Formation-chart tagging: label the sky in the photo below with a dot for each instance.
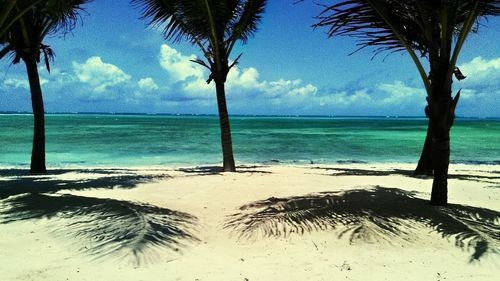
(113, 62)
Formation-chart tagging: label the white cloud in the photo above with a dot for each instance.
(147, 84)
(247, 92)
(99, 75)
(399, 93)
(241, 83)
(480, 65)
(15, 83)
(198, 88)
(21, 83)
(481, 72)
(178, 66)
(94, 85)
(247, 78)
(347, 100)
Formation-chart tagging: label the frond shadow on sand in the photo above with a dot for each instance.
(493, 178)
(369, 215)
(217, 170)
(108, 228)
(14, 182)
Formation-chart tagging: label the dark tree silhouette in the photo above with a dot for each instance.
(24, 40)
(215, 26)
(12, 10)
(426, 29)
(370, 214)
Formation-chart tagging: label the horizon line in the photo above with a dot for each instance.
(236, 115)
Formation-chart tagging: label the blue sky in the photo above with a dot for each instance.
(113, 63)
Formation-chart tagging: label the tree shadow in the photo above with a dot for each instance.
(366, 172)
(494, 179)
(370, 215)
(202, 171)
(217, 170)
(19, 181)
(108, 227)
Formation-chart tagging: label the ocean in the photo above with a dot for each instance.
(76, 140)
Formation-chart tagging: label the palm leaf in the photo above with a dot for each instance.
(48, 55)
(249, 17)
(39, 19)
(181, 19)
(411, 18)
(8, 16)
(370, 214)
(213, 25)
(5, 50)
(109, 228)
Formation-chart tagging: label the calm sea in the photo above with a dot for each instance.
(122, 140)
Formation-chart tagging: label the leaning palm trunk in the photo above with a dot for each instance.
(424, 166)
(38, 151)
(225, 128)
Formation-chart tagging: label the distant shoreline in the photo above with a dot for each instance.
(241, 115)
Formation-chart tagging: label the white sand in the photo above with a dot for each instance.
(52, 247)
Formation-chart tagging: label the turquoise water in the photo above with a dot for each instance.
(119, 141)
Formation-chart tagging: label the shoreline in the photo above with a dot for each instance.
(270, 163)
(291, 222)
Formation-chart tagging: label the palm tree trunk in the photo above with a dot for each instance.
(38, 150)
(440, 151)
(227, 144)
(441, 115)
(424, 166)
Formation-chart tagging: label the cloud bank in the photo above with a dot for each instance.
(99, 85)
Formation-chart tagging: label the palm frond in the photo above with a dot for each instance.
(413, 19)
(180, 19)
(109, 228)
(249, 16)
(214, 25)
(40, 18)
(369, 214)
(202, 63)
(5, 50)
(62, 16)
(6, 8)
(360, 19)
(48, 55)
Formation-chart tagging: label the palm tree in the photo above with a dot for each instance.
(215, 26)
(24, 41)
(7, 14)
(426, 29)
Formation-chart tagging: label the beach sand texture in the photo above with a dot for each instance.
(331, 222)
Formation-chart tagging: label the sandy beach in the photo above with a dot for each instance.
(334, 222)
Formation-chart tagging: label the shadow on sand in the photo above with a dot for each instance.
(107, 227)
(16, 181)
(493, 179)
(216, 170)
(370, 215)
